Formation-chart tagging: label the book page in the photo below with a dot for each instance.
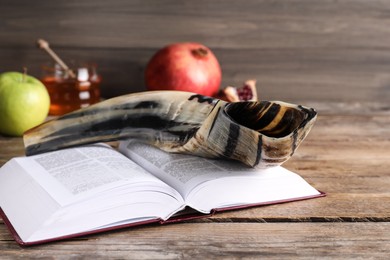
(18, 192)
(80, 189)
(208, 184)
(78, 173)
(183, 172)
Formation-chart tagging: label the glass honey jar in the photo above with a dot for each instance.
(71, 90)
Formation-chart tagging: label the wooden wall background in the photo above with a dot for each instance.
(298, 50)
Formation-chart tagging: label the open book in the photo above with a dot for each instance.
(95, 188)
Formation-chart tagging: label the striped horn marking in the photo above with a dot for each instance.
(259, 134)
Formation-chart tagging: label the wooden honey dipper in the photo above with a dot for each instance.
(42, 44)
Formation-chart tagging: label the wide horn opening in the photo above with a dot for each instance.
(269, 118)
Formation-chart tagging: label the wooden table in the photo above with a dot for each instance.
(346, 155)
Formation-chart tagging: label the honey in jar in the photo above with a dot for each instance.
(69, 93)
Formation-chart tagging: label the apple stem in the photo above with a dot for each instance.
(24, 74)
(200, 52)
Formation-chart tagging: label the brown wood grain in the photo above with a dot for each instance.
(332, 55)
(227, 24)
(220, 240)
(297, 50)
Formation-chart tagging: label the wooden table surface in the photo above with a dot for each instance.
(346, 155)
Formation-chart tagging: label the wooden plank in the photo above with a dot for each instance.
(336, 207)
(220, 240)
(227, 24)
(10, 147)
(293, 75)
(297, 50)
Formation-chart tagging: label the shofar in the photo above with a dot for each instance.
(259, 134)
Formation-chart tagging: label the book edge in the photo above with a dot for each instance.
(172, 220)
(274, 202)
(21, 242)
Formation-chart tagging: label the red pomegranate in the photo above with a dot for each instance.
(184, 66)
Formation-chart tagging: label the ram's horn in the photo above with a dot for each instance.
(259, 134)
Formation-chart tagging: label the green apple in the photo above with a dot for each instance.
(24, 103)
